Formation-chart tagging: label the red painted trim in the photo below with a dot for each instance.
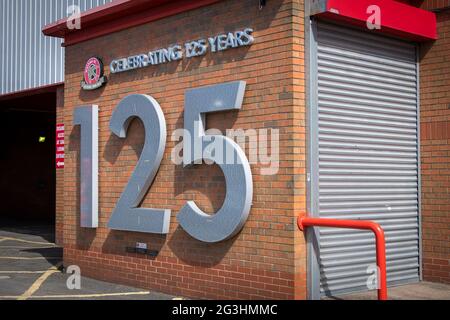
(119, 15)
(397, 18)
(31, 92)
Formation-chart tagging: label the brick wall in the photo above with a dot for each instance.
(267, 259)
(427, 4)
(435, 152)
(299, 149)
(432, 4)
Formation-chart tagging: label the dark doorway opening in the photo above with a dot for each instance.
(27, 158)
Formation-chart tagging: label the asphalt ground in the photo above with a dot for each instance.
(31, 268)
(417, 291)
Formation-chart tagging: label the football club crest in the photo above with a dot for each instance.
(93, 74)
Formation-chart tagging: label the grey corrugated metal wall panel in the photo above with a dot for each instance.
(367, 154)
(28, 58)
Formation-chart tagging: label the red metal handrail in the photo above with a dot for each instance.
(304, 222)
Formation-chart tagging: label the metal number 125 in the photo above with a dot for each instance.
(127, 215)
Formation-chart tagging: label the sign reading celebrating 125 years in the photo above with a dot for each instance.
(93, 71)
(189, 50)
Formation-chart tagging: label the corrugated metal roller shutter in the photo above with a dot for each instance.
(368, 154)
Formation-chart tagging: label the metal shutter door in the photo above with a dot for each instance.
(367, 136)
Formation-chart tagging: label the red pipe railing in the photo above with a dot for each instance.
(304, 222)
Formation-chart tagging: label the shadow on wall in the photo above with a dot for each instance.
(117, 242)
(425, 47)
(84, 236)
(197, 253)
(91, 95)
(115, 146)
(203, 184)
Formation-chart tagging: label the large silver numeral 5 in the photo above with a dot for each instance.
(127, 216)
(230, 219)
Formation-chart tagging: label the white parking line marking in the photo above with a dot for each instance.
(4, 277)
(21, 272)
(38, 283)
(24, 248)
(26, 241)
(99, 295)
(30, 258)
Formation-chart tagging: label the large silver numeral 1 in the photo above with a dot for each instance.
(87, 118)
(230, 219)
(126, 216)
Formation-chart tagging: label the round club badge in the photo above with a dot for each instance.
(93, 74)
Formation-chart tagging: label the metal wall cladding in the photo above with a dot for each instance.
(28, 58)
(367, 148)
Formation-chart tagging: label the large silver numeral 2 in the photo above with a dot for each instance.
(127, 216)
(230, 219)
